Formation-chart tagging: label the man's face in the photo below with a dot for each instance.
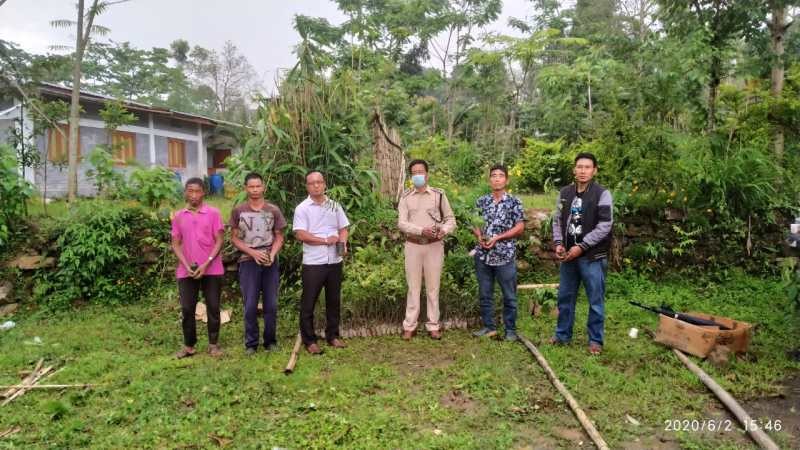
(419, 169)
(193, 194)
(315, 184)
(498, 180)
(254, 188)
(584, 170)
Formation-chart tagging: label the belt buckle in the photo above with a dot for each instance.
(423, 240)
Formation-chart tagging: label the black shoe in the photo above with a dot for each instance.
(250, 351)
(271, 347)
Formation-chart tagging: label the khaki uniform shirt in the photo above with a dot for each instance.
(418, 210)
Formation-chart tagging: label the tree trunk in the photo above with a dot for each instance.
(713, 88)
(777, 27)
(74, 110)
(589, 93)
(83, 32)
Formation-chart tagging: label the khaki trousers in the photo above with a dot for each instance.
(423, 261)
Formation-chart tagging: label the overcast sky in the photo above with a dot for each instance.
(262, 29)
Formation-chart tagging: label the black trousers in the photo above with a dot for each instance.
(189, 290)
(315, 277)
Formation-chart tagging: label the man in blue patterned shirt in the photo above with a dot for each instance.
(495, 255)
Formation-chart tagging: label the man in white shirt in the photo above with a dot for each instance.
(321, 225)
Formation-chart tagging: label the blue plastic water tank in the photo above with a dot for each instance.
(216, 183)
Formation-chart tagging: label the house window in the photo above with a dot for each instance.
(176, 149)
(58, 144)
(124, 145)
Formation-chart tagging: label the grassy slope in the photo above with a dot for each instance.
(381, 392)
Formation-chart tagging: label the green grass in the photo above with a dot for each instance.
(539, 201)
(381, 392)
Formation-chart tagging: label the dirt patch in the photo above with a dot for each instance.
(573, 435)
(459, 401)
(784, 407)
(651, 443)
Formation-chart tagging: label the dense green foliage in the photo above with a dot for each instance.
(14, 193)
(100, 247)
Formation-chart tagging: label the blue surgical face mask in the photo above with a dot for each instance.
(418, 180)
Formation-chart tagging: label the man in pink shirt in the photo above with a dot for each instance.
(197, 232)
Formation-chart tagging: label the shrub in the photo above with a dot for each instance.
(542, 165)
(14, 193)
(154, 186)
(99, 246)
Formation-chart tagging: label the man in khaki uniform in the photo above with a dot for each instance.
(425, 216)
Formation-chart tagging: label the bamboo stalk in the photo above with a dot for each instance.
(22, 391)
(9, 432)
(538, 286)
(25, 381)
(49, 386)
(733, 406)
(582, 417)
(293, 359)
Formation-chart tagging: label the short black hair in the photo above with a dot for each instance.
(196, 181)
(414, 162)
(586, 155)
(314, 171)
(253, 176)
(500, 167)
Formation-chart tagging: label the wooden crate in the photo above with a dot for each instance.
(701, 340)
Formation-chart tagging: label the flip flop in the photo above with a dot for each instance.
(183, 353)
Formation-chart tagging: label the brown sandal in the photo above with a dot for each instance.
(214, 351)
(184, 353)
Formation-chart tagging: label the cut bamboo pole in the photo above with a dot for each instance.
(293, 359)
(9, 432)
(586, 423)
(38, 376)
(733, 406)
(538, 286)
(49, 386)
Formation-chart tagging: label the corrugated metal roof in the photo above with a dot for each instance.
(63, 91)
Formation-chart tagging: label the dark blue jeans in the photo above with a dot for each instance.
(259, 281)
(593, 276)
(506, 276)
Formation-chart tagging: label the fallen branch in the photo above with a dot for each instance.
(733, 406)
(582, 417)
(293, 359)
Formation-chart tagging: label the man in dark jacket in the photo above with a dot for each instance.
(582, 237)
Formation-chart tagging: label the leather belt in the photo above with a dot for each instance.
(420, 240)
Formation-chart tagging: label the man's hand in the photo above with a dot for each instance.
(331, 240)
(189, 270)
(560, 251)
(261, 258)
(201, 270)
(573, 253)
(490, 243)
(271, 255)
(428, 233)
